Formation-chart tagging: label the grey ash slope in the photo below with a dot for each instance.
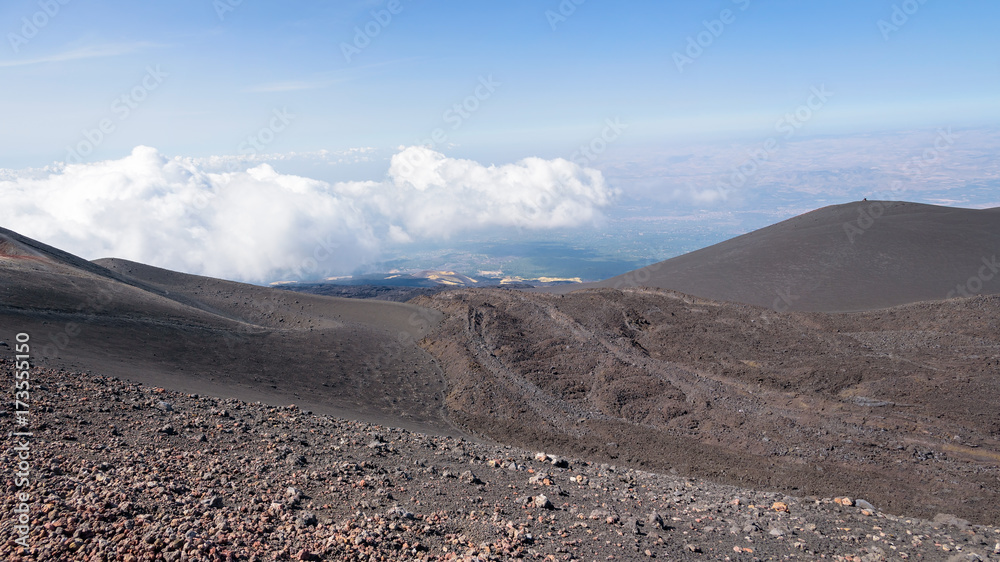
(273, 307)
(839, 258)
(341, 356)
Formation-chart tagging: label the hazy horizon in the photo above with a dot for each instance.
(263, 142)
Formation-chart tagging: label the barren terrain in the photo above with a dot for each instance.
(850, 257)
(901, 406)
(343, 356)
(126, 472)
(655, 392)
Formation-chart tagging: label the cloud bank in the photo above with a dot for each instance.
(259, 225)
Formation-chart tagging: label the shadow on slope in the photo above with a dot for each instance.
(857, 256)
(347, 357)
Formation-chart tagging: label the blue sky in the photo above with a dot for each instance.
(607, 59)
(196, 79)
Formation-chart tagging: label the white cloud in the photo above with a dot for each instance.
(259, 225)
(705, 196)
(432, 196)
(231, 162)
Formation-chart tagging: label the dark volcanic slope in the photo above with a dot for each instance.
(342, 356)
(900, 406)
(856, 256)
(375, 292)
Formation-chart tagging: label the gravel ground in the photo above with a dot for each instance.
(123, 471)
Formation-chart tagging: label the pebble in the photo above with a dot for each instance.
(220, 493)
(864, 505)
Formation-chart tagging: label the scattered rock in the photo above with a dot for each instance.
(469, 477)
(399, 513)
(212, 501)
(542, 502)
(948, 519)
(864, 505)
(133, 494)
(655, 521)
(305, 519)
(598, 514)
(540, 478)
